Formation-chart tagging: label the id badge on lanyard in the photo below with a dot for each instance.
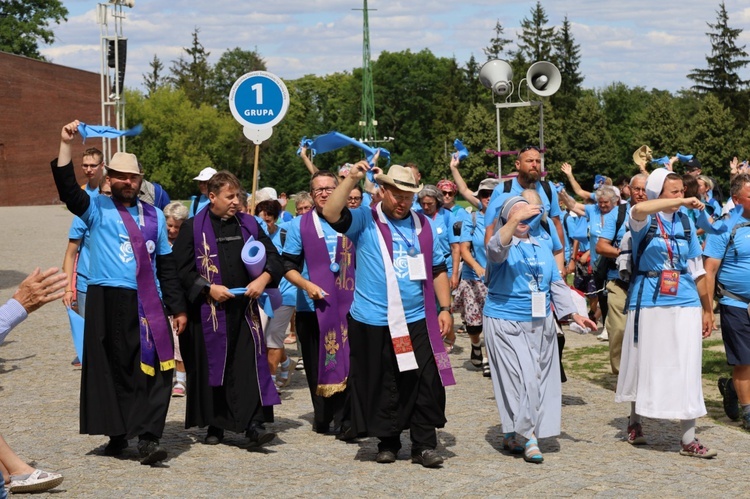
(669, 280)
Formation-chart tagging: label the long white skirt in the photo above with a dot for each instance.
(525, 375)
(662, 372)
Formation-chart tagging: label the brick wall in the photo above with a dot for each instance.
(36, 100)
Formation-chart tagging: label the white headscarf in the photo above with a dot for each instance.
(655, 182)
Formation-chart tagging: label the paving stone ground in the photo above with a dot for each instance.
(39, 418)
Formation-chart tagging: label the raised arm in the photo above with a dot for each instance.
(308, 163)
(641, 210)
(337, 200)
(580, 192)
(463, 189)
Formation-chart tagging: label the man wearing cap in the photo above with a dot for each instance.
(320, 262)
(197, 203)
(128, 356)
(229, 382)
(399, 365)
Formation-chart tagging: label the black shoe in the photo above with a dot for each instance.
(486, 372)
(76, 362)
(730, 400)
(151, 451)
(476, 355)
(214, 436)
(116, 445)
(427, 458)
(321, 428)
(385, 457)
(258, 436)
(345, 433)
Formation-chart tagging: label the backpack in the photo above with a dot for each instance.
(545, 187)
(636, 257)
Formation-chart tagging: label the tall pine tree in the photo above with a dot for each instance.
(194, 74)
(153, 80)
(721, 78)
(567, 57)
(535, 42)
(497, 44)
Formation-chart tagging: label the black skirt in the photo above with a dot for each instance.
(385, 401)
(117, 397)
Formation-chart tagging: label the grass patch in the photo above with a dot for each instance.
(592, 364)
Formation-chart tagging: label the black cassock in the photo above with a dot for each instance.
(235, 404)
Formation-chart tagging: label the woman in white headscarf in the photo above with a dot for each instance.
(522, 281)
(668, 311)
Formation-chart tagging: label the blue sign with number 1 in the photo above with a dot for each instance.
(259, 99)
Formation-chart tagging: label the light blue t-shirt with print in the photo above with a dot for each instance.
(111, 259)
(202, 201)
(528, 266)
(472, 231)
(655, 257)
(370, 304)
(733, 272)
(79, 231)
(287, 289)
(293, 246)
(443, 224)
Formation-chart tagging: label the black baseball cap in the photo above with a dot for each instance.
(692, 164)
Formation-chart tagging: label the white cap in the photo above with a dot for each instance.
(265, 194)
(205, 174)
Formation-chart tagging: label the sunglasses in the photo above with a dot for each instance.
(529, 148)
(448, 193)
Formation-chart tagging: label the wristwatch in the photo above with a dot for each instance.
(445, 309)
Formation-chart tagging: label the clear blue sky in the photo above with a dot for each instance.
(646, 43)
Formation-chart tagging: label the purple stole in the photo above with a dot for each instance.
(430, 309)
(333, 354)
(156, 335)
(213, 315)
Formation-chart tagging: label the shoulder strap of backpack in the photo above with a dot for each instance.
(547, 190)
(731, 239)
(507, 185)
(622, 211)
(282, 236)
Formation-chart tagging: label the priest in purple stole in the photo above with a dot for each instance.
(229, 385)
(320, 262)
(399, 365)
(128, 354)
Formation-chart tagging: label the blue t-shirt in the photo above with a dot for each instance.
(286, 288)
(608, 233)
(370, 304)
(202, 201)
(655, 257)
(551, 206)
(528, 266)
(550, 239)
(443, 224)
(293, 246)
(111, 259)
(732, 273)
(597, 222)
(79, 231)
(473, 231)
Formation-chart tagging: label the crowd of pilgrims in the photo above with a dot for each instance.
(370, 272)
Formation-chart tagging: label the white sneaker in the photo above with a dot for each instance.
(603, 336)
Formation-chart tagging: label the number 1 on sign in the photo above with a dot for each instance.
(258, 88)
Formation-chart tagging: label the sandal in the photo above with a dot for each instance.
(178, 390)
(697, 449)
(290, 340)
(38, 481)
(531, 452)
(511, 443)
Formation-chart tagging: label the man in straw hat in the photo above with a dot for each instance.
(128, 354)
(399, 365)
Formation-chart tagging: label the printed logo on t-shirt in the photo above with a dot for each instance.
(126, 250)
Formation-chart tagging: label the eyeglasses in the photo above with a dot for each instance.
(352, 199)
(90, 166)
(321, 190)
(448, 193)
(484, 194)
